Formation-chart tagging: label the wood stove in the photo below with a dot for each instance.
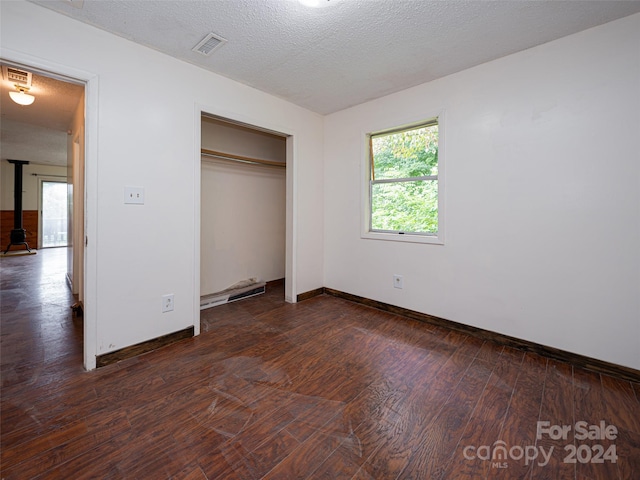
(18, 234)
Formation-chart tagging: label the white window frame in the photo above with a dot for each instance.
(366, 231)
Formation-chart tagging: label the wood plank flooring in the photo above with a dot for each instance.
(323, 389)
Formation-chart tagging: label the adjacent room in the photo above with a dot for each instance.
(320, 239)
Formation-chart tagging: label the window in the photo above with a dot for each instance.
(403, 198)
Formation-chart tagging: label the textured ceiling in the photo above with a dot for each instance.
(322, 59)
(33, 143)
(38, 133)
(331, 58)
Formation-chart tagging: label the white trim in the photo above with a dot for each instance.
(90, 80)
(197, 174)
(403, 237)
(442, 166)
(291, 194)
(290, 287)
(91, 168)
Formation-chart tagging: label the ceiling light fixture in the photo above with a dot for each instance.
(21, 97)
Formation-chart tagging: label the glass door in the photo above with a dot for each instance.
(54, 214)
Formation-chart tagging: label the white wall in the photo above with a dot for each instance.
(243, 208)
(29, 182)
(542, 197)
(148, 135)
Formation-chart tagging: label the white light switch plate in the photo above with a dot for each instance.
(167, 303)
(134, 195)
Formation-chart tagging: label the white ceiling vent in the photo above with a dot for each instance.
(16, 76)
(208, 44)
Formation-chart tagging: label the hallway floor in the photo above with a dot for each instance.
(40, 337)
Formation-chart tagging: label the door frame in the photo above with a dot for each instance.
(291, 196)
(90, 81)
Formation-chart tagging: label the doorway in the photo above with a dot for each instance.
(285, 159)
(53, 214)
(248, 166)
(50, 135)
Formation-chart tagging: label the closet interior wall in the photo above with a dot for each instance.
(243, 223)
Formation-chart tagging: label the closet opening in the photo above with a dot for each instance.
(243, 212)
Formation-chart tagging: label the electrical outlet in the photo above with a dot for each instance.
(397, 281)
(167, 303)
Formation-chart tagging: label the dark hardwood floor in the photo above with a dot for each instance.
(324, 389)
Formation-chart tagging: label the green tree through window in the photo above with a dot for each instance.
(404, 180)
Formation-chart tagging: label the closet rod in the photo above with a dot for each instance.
(240, 158)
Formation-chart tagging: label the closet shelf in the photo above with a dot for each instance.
(240, 158)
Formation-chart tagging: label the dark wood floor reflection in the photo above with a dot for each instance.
(322, 389)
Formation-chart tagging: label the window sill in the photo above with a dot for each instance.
(403, 237)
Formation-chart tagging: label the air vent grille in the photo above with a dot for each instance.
(16, 76)
(209, 44)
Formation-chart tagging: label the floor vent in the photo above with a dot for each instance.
(232, 294)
